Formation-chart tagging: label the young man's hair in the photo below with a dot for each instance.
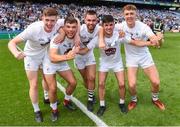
(90, 12)
(107, 19)
(70, 20)
(129, 7)
(50, 12)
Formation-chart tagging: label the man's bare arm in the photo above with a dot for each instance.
(83, 51)
(55, 57)
(12, 45)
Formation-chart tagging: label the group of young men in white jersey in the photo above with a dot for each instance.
(37, 52)
(138, 55)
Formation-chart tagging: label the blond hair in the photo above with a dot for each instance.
(50, 12)
(129, 7)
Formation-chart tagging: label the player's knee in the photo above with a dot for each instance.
(101, 85)
(73, 83)
(91, 78)
(122, 85)
(155, 83)
(132, 85)
(33, 86)
(53, 89)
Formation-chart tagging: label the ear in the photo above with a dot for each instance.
(84, 20)
(42, 17)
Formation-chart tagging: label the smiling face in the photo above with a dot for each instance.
(108, 25)
(130, 14)
(90, 20)
(130, 17)
(49, 18)
(70, 29)
(49, 22)
(108, 28)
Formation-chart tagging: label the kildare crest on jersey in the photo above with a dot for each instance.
(86, 41)
(68, 47)
(110, 51)
(136, 35)
(44, 42)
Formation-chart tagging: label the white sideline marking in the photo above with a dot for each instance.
(91, 115)
(9, 36)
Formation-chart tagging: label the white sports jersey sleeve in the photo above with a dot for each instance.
(60, 22)
(93, 43)
(118, 27)
(37, 39)
(34, 29)
(52, 44)
(28, 33)
(139, 32)
(148, 31)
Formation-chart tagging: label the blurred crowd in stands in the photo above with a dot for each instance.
(16, 17)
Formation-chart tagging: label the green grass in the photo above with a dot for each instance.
(16, 109)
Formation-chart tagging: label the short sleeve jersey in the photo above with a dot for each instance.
(64, 47)
(37, 39)
(141, 32)
(112, 54)
(86, 37)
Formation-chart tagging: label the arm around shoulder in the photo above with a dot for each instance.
(141, 43)
(83, 51)
(101, 42)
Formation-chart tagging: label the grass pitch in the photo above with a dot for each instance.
(16, 109)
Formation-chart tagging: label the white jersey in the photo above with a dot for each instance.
(37, 39)
(112, 54)
(63, 48)
(86, 37)
(141, 32)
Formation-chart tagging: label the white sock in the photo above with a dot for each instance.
(134, 98)
(67, 97)
(53, 105)
(102, 103)
(121, 101)
(155, 96)
(46, 95)
(36, 107)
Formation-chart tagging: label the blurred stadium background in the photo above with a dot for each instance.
(16, 15)
(16, 109)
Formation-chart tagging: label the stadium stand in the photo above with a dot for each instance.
(18, 15)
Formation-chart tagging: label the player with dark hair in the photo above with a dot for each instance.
(59, 54)
(86, 63)
(138, 55)
(110, 59)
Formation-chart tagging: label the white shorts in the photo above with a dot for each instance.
(81, 61)
(143, 61)
(32, 64)
(51, 68)
(116, 67)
